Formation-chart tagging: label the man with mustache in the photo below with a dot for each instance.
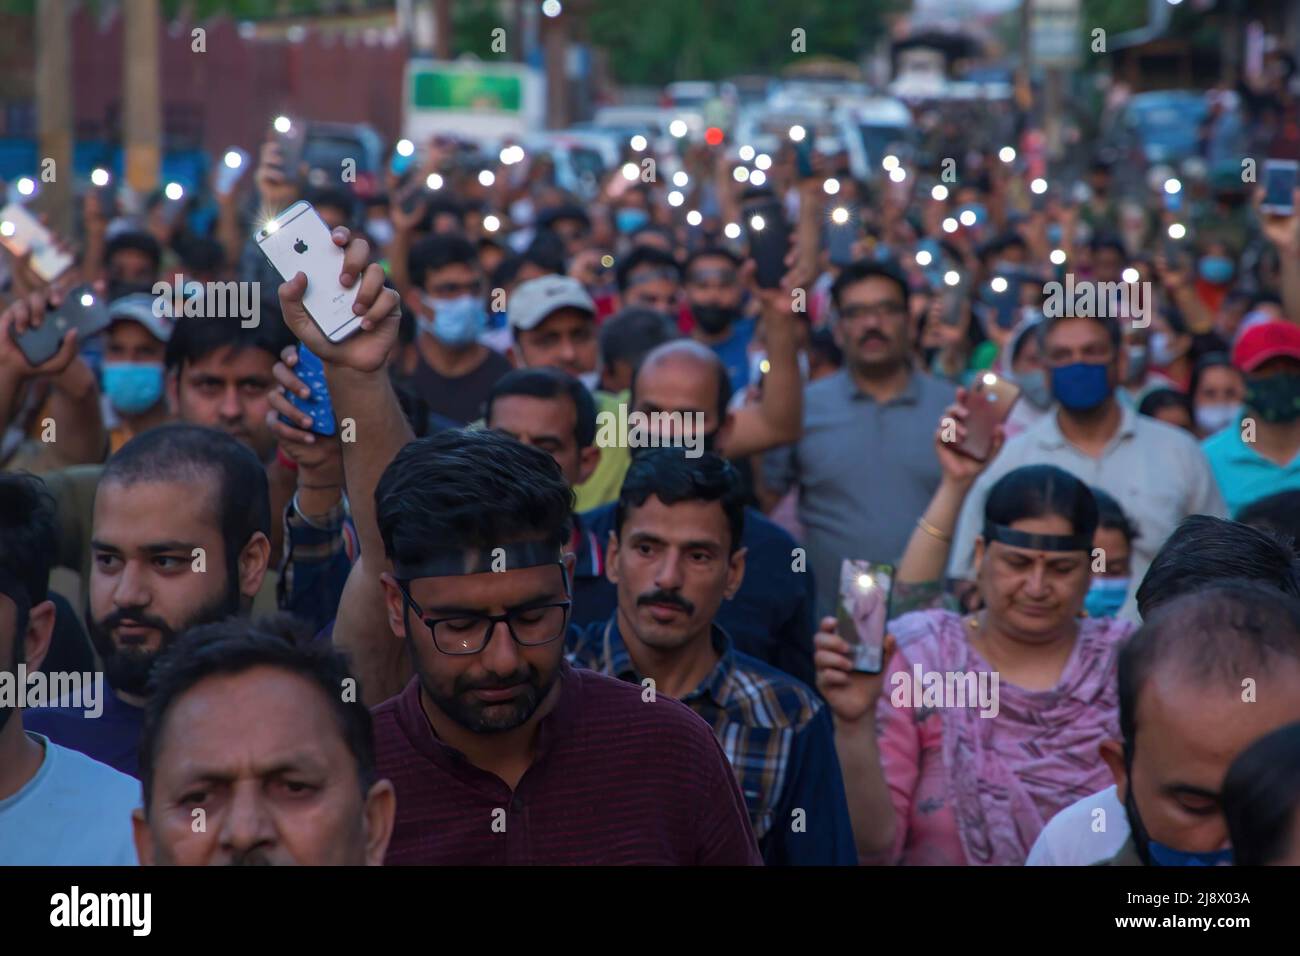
(865, 466)
(499, 751)
(255, 728)
(180, 537)
(675, 554)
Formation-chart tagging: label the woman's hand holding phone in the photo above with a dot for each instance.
(379, 307)
(851, 695)
(959, 469)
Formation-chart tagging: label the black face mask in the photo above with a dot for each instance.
(714, 318)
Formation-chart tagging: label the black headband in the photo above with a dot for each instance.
(1036, 542)
(447, 562)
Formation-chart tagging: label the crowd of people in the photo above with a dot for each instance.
(465, 625)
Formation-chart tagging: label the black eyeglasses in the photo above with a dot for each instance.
(530, 626)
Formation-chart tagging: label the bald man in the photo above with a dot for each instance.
(771, 615)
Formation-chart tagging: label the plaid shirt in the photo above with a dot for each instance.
(777, 735)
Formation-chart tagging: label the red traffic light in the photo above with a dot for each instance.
(713, 136)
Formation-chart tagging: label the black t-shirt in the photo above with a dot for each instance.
(459, 399)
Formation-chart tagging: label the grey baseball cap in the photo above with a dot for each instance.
(139, 307)
(534, 300)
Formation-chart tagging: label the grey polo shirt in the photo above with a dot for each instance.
(865, 471)
(1157, 472)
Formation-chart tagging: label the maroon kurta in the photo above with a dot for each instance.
(615, 780)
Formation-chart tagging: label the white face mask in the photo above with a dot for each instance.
(1215, 418)
(380, 230)
(591, 380)
(1162, 349)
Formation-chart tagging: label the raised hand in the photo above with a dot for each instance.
(851, 696)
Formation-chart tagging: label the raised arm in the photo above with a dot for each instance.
(368, 411)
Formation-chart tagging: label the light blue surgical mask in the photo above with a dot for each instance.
(1033, 385)
(630, 220)
(455, 322)
(132, 387)
(1106, 596)
(1216, 269)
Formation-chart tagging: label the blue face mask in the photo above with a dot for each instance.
(132, 387)
(630, 220)
(1154, 853)
(1216, 269)
(1106, 596)
(456, 321)
(1081, 386)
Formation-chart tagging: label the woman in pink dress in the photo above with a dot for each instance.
(982, 726)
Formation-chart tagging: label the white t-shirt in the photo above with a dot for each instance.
(1088, 831)
(74, 812)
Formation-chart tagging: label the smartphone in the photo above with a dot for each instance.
(839, 240)
(312, 372)
(863, 610)
(227, 177)
(1279, 187)
(21, 232)
(954, 297)
(768, 246)
(291, 144)
(988, 404)
(803, 154)
(298, 240)
(81, 309)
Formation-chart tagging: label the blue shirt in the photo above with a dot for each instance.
(73, 812)
(1243, 474)
(771, 615)
(734, 352)
(112, 738)
(776, 734)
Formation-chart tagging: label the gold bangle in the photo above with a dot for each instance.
(932, 531)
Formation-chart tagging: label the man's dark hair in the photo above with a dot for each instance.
(1103, 241)
(711, 252)
(236, 646)
(333, 197)
(472, 488)
(640, 257)
(630, 335)
(506, 270)
(1205, 550)
(548, 383)
(201, 254)
(546, 251)
(865, 269)
(706, 354)
(1158, 399)
(553, 214)
(192, 453)
(1038, 491)
(1107, 322)
(671, 476)
(1261, 797)
(1277, 514)
(27, 543)
(438, 252)
(1219, 632)
(1111, 515)
(195, 337)
(138, 240)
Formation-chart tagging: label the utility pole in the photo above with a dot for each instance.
(142, 110)
(54, 111)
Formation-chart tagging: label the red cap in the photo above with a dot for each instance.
(1265, 341)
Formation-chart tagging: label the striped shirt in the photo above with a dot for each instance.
(614, 780)
(777, 735)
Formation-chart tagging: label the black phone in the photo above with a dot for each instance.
(291, 146)
(839, 240)
(769, 243)
(803, 154)
(81, 309)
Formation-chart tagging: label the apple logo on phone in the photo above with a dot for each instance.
(300, 247)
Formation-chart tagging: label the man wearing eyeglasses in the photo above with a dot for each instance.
(499, 751)
(865, 466)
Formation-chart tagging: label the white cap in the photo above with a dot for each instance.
(534, 300)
